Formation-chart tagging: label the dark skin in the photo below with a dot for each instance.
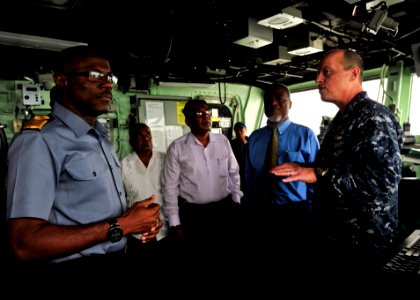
(34, 239)
(143, 145)
(200, 127)
(277, 104)
(240, 133)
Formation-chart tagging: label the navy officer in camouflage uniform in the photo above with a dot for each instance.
(356, 173)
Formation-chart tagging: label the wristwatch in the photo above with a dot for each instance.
(320, 172)
(115, 232)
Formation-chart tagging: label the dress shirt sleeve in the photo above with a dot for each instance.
(125, 177)
(32, 177)
(170, 180)
(313, 147)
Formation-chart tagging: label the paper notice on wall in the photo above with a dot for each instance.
(155, 115)
(172, 133)
(159, 142)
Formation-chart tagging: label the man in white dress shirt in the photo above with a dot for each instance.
(141, 170)
(201, 188)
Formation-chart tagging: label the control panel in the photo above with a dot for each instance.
(31, 94)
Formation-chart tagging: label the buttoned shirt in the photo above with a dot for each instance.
(199, 174)
(296, 143)
(140, 182)
(67, 173)
(356, 199)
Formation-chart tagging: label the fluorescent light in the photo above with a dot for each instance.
(36, 42)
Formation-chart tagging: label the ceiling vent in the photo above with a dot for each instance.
(256, 36)
(288, 17)
(304, 44)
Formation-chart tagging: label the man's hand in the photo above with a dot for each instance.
(293, 172)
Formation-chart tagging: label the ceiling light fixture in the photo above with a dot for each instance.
(277, 55)
(288, 17)
(36, 42)
(305, 44)
(257, 36)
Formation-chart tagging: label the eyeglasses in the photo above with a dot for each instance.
(96, 76)
(202, 113)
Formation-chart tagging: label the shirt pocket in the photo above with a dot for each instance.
(87, 168)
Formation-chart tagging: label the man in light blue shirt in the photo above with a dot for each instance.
(65, 197)
(297, 143)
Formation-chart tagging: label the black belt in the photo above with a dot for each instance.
(227, 199)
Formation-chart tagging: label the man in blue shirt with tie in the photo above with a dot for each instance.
(282, 207)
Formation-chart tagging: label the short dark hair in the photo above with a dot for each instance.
(75, 54)
(190, 108)
(353, 59)
(239, 125)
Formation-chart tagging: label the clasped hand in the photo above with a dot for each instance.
(143, 218)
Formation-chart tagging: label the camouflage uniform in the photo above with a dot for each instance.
(356, 198)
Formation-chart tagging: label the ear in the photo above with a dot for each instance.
(290, 104)
(355, 72)
(60, 80)
(188, 122)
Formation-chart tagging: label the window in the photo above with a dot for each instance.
(415, 106)
(308, 108)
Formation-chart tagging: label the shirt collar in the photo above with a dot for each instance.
(76, 123)
(282, 126)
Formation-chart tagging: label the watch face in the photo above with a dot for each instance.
(322, 171)
(115, 234)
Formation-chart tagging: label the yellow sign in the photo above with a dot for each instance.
(181, 117)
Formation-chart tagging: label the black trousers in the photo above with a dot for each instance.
(211, 230)
(276, 236)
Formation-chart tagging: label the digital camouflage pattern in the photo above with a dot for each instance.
(356, 201)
